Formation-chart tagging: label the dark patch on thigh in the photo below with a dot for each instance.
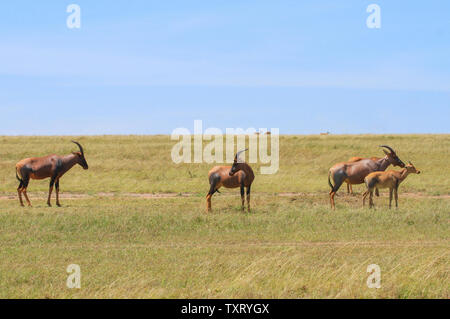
(25, 171)
(373, 182)
(339, 177)
(214, 179)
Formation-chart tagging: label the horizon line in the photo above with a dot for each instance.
(161, 134)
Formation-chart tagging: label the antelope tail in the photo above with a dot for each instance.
(329, 180)
(19, 178)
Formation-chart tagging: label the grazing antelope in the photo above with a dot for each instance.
(239, 175)
(357, 159)
(355, 172)
(53, 166)
(390, 179)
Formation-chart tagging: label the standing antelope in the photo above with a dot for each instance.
(357, 159)
(53, 166)
(355, 172)
(239, 175)
(390, 179)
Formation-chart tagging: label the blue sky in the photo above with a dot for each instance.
(148, 67)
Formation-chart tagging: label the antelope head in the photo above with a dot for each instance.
(80, 156)
(412, 169)
(237, 163)
(392, 156)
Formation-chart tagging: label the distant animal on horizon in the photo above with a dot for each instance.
(389, 179)
(53, 166)
(240, 174)
(355, 172)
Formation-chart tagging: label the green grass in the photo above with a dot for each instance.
(169, 248)
(290, 246)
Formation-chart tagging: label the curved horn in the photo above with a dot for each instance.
(388, 147)
(239, 153)
(81, 147)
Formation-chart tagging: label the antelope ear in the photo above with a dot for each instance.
(409, 162)
(386, 152)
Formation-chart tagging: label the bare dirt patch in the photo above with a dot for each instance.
(184, 195)
(410, 195)
(263, 244)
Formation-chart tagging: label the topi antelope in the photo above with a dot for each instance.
(390, 179)
(357, 159)
(239, 175)
(355, 172)
(53, 166)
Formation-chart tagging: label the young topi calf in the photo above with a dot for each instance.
(389, 179)
(239, 175)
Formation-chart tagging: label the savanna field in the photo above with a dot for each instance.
(135, 222)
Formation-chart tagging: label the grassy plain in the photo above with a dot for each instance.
(129, 244)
